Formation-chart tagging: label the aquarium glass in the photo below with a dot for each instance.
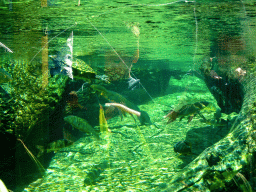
(127, 95)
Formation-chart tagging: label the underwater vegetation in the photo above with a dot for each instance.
(28, 99)
(4, 76)
(25, 105)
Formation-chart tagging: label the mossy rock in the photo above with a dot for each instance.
(81, 70)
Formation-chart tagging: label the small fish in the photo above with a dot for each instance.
(4, 76)
(133, 83)
(53, 146)
(190, 110)
(81, 124)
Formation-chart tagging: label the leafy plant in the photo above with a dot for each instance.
(28, 97)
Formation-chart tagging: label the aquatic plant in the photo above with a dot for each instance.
(28, 97)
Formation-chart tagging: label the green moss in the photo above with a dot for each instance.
(29, 95)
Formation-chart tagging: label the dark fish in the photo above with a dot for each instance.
(144, 118)
(72, 101)
(114, 97)
(182, 147)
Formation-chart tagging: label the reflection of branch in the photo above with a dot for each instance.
(4, 46)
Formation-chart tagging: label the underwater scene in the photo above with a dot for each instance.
(128, 95)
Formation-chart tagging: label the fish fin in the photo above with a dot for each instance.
(144, 118)
(103, 121)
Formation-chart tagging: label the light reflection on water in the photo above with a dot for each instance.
(167, 32)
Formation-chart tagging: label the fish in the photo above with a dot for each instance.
(122, 103)
(5, 77)
(213, 122)
(182, 147)
(114, 97)
(53, 146)
(133, 83)
(62, 62)
(190, 110)
(81, 124)
(142, 115)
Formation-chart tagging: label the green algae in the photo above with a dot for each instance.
(28, 98)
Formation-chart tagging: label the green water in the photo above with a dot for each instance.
(174, 39)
